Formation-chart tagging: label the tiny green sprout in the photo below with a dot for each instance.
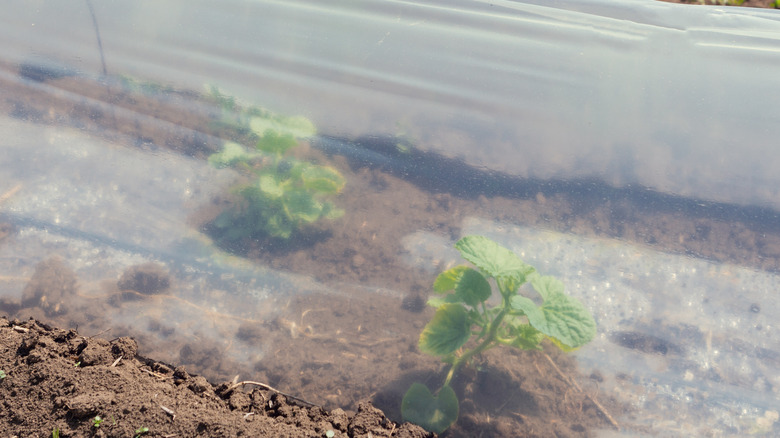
(55, 433)
(2, 374)
(97, 421)
(462, 314)
(140, 431)
(77, 364)
(330, 433)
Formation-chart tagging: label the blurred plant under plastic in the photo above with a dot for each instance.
(279, 194)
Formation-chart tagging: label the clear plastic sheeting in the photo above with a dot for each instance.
(672, 98)
(105, 209)
(693, 345)
(632, 92)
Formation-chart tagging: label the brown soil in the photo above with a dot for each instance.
(329, 350)
(334, 351)
(57, 380)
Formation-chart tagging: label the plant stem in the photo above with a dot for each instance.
(484, 345)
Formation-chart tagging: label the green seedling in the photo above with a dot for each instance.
(55, 433)
(464, 317)
(140, 431)
(251, 122)
(2, 374)
(97, 421)
(281, 194)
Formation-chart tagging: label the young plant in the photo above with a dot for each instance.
(140, 431)
(250, 123)
(97, 421)
(462, 314)
(283, 194)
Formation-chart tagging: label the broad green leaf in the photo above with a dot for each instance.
(437, 302)
(547, 286)
(472, 288)
(323, 179)
(270, 186)
(525, 305)
(433, 413)
(275, 143)
(293, 169)
(492, 258)
(449, 299)
(560, 317)
(300, 205)
(230, 154)
(568, 321)
(298, 127)
(527, 337)
(447, 280)
(448, 330)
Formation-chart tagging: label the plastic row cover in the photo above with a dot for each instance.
(671, 97)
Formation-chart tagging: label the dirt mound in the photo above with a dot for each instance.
(56, 380)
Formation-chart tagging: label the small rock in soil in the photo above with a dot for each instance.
(146, 278)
